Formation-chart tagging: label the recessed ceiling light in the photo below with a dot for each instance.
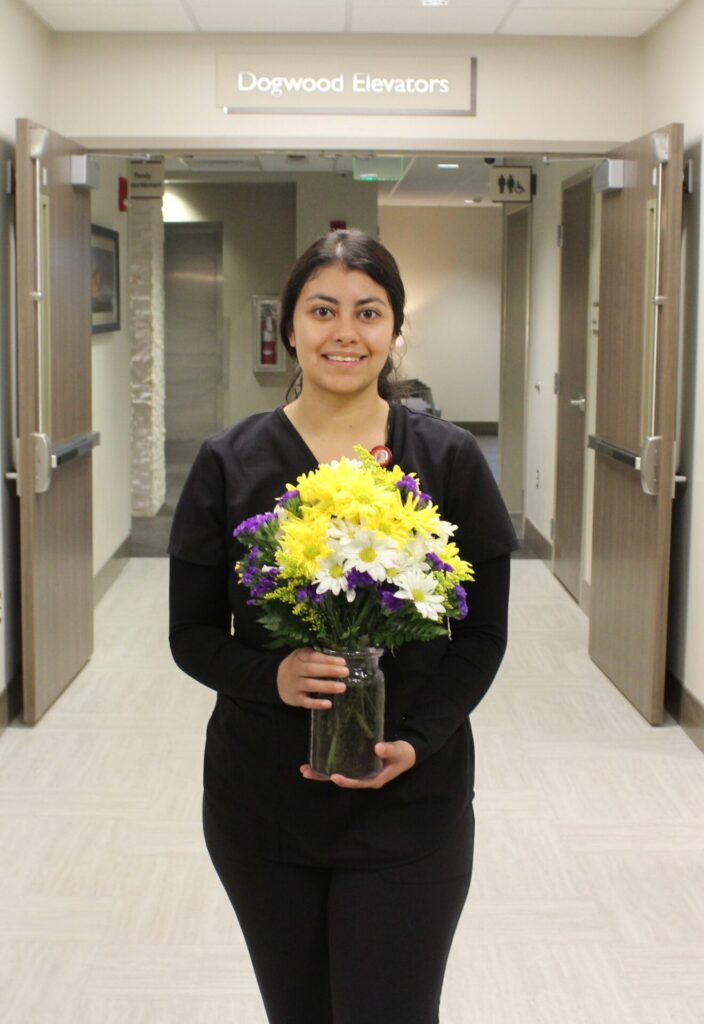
(470, 202)
(449, 167)
(434, 3)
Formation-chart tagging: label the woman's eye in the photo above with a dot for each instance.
(369, 314)
(322, 312)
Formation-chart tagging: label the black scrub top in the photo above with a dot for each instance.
(255, 742)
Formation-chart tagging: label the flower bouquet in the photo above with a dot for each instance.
(352, 560)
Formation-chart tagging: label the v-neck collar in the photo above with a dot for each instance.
(293, 431)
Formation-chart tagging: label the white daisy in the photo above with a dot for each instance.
(370, 552)
(331, 576)
(418, 586)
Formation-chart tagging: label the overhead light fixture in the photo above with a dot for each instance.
(449, 167)
(470, 202)
(434, 3)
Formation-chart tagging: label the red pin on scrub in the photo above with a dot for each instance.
(382, 454)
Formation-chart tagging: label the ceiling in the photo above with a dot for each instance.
(457, 17)
(424, 181)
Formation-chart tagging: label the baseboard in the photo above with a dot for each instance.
(686, 709)
(488, 429)
(534, 538)
(104, 579)
(10, 701)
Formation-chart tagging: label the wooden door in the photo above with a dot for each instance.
(193, 328)
(636, 417)
(54, 403)
(572, 382)
(514, 343)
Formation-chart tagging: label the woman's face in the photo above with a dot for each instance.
(343, 331)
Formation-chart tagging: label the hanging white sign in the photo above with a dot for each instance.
(510, 184)
(299, 83)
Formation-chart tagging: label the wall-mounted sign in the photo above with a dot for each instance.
(315, 83)
(510, 184)
(146, 178)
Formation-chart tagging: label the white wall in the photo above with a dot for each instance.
(321, 198)
(259, 240)
(674, 91)
(453, 286)
(25, 68)
(543, 344)
(24, 92)
(111, 392)
(161, 88)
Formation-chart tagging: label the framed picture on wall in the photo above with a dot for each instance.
(104, 279)
(269, 355)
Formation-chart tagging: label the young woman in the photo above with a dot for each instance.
(348, 892)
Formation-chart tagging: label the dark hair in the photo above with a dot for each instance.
(352, 250)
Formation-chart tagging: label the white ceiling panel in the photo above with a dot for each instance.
(600, 5)
(270, 16)
(541, 21)
(410, 16)
(94, 16)
(459, 17)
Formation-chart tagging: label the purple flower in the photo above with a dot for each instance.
(407, 483)
(263, 586)
(389, 601)
(288, 496)
(437, 563)
(356, 578)
(424, 499)
(250, 566)
(461, 595)
(309, 593)
(252, 524)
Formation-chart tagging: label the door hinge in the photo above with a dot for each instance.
(9, 178)
(560, 236)
(556, 384)
(552, 529)
(688, 178)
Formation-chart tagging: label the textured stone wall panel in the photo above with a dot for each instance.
(146, 319)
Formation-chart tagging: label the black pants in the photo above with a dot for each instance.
(348, 946)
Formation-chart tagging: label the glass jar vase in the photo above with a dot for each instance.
(342, 738)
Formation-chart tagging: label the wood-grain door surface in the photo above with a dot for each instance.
(571, 400)
(54, 393)
(636, 381)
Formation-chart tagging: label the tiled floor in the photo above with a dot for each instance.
(587, 901)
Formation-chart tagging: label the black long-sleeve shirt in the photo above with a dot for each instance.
(256, 742)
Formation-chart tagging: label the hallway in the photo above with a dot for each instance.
(587, 903)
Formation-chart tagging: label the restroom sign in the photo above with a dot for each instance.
(327, 83)
(510, 184)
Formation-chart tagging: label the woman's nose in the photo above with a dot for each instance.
(346, 328)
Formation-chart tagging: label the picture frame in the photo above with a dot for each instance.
(268, 354)
(104, 279)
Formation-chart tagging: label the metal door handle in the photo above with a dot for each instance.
(579, 403)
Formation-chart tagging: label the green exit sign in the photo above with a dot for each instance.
(378, 168)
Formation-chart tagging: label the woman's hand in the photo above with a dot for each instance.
(305, 672)
(397, 756)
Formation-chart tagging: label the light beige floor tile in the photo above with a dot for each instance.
(587, 900)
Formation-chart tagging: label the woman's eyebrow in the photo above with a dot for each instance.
(336, 302)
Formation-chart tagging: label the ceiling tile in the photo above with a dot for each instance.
(270, 16)
(601, 5)
(541, 21)
(410, 16)
(94, 16)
